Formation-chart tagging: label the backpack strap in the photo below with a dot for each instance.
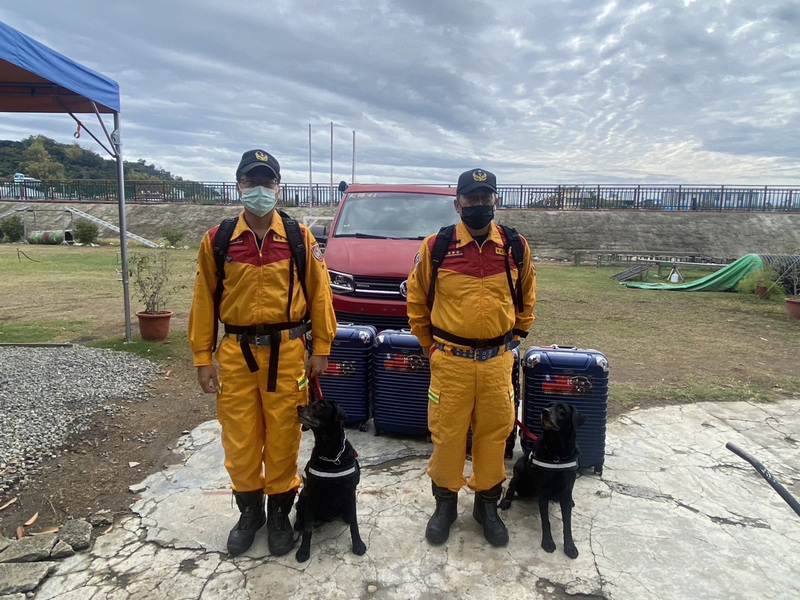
(221, 242)
(437, 257)
(298, 247)
(513, 242)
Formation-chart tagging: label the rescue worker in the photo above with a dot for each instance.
(468, 332)
(263, 370)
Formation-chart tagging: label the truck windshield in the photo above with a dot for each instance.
(403, 215)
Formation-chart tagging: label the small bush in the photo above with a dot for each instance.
(86, 232)
(173, 236)
(12, 228)
(766, 277)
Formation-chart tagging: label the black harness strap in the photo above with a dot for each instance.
(250, 334)
(298, 246)
(221, 242)
(437, 257)
(513, 242)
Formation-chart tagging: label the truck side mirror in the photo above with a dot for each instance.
(342, 186)
(320, 232)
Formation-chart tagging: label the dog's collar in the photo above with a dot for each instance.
(336, 460)
(571, 465)
(328, 475)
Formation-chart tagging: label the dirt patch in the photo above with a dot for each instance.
(92, 475)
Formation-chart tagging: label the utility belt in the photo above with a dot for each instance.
(266, 334)
(478, 349)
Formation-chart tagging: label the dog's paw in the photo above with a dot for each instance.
(302, 554)
(504, 504)
(571, 551)
(359, 548)
(548, 545)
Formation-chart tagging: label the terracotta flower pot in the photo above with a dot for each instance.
(793, 308)
(761, 291)
(154, 327)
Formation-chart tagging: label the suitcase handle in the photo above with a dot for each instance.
(557, 347)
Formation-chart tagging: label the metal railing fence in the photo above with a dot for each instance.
(720, 198)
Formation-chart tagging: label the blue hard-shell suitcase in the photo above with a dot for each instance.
(400, 384)
(517, 399)
(348, 378)
(574, 376)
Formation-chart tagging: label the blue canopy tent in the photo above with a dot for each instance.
(37, 79)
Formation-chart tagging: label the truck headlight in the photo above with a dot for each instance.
(342, 282)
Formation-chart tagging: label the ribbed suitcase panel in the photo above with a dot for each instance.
(351, 386)
(576, 377)
(400, 397)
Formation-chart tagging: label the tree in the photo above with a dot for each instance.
(38, 162)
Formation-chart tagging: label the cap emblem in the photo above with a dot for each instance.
(263, 156)
(479, 175)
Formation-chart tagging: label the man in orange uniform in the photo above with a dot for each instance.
(468, 331)
(265, 308)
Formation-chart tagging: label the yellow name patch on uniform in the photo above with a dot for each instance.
(499, 250)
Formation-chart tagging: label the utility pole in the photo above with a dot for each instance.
(310, 176)
(353, 177)
(330, 198)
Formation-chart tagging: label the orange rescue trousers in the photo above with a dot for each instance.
(260, 431)
(466, 392)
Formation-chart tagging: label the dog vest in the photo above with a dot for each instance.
(344, 472)
(535, 463)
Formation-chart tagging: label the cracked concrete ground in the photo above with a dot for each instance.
(675, 515)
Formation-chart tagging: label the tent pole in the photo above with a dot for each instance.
(123, 227)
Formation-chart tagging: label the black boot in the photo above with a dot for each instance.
(485, 513)
(251, 505)
(280, 534)
(438, 529)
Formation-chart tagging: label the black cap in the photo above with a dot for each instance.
(476, 179)
(258, 158)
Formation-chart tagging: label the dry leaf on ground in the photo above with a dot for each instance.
(9, 503)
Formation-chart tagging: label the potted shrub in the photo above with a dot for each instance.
(150, 275)
(790, 275)
(764, 282)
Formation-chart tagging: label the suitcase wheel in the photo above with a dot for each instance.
(598, 469)
(363, 427)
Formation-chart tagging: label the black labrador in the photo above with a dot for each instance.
(549, 471)
(331, 476)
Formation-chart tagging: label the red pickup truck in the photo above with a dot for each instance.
(370, 249)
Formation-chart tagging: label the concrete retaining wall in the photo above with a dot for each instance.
(552, 234)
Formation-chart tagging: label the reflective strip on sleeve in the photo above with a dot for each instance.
(433, 397)
(302, 383)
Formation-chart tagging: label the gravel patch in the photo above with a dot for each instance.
(48, 394)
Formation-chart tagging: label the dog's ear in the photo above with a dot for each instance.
(341, 416)
(578, 418)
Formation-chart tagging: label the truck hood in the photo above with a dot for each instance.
(371, 258)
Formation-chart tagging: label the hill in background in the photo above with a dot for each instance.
(45, 159)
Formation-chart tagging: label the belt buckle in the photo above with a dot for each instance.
(262, 340)
(487, 353)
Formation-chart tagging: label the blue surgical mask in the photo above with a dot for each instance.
(259, 200)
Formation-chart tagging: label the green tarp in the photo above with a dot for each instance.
(724, 280)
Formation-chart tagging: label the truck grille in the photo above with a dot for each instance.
(380, 322)
(387, 288)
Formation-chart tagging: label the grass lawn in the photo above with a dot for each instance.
(662, 346)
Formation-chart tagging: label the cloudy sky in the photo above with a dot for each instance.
(558, 91)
